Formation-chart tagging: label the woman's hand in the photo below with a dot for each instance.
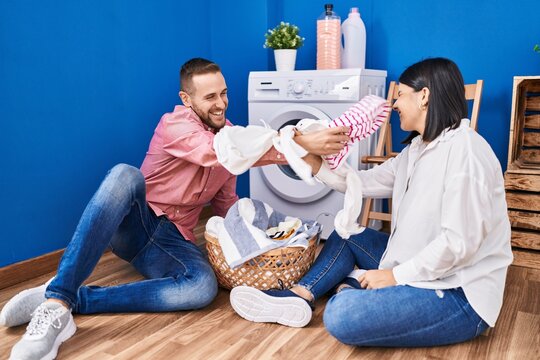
(323, 142)
(377, 279)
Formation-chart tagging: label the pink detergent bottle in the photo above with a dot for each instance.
(328, 39)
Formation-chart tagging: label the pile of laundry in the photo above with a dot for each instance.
(252, 228)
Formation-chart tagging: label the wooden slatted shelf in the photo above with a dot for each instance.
(522, 177)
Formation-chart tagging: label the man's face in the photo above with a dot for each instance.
(208, 98)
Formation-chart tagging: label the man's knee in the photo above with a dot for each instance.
(205, 284)
(126, 172)
(124, 178)
(194, 291)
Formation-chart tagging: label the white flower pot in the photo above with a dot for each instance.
(285, 59)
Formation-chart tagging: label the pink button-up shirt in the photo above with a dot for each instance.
(182, 172)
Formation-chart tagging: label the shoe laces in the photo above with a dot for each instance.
(42, 318)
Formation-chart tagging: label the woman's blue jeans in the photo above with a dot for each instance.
(178, 276)
(396, 316)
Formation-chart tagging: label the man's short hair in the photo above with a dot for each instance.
(195, 66)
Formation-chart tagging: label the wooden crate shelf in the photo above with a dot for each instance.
(522, 177)
(524, 145)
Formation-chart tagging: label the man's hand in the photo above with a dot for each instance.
(323, 142)
(377, 279)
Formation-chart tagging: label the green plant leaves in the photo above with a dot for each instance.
(283, 36)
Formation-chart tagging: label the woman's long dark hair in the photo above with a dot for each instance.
(447, 104)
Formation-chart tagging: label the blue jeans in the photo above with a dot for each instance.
(178, 276)
(396, 316)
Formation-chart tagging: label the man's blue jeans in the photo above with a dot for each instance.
(178, 276)
(396, 316)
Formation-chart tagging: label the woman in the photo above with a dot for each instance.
(439, 277)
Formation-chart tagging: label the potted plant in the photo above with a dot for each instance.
(284, 39)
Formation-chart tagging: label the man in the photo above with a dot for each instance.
(147, 217)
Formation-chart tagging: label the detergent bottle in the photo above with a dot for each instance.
(328, 39)
(354, 41)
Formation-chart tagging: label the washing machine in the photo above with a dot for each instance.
(283, 98)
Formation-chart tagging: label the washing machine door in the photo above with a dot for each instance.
(281, 179)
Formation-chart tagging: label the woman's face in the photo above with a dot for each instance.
(412, 106)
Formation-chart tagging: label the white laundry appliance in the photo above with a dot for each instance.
(285, 97)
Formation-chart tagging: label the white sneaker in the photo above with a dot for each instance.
(51, 325)
(275, 306)
(18, 310)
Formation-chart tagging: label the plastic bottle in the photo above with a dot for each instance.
(328, 39)
(354, 39)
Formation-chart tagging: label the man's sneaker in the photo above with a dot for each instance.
(18, 310)
(51, 325)
(277, 306)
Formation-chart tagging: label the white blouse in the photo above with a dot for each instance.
(450, 225)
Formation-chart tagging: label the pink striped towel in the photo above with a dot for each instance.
(363, 118)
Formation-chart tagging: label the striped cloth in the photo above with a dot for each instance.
(363, 118)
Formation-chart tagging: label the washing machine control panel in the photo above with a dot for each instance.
(314, 86)
(331, 88)
(299, 88)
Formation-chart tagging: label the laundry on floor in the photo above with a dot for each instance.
(252, 228)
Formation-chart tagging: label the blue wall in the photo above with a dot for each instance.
(82, 87)
(83, 83)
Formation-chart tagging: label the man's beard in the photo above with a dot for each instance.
(206, 119)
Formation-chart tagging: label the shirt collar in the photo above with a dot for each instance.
(445, 135)
(448, 133)
(194, 117)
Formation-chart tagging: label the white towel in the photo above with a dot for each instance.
(238, 148)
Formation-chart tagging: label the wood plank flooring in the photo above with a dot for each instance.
(218, 333)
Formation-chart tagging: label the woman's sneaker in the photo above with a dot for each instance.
(51, 325)
(18, 310)
(275, 306)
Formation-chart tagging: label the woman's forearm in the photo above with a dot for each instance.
(314, 161)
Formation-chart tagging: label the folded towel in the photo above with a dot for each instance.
(242, 234)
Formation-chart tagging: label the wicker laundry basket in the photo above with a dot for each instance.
(266, 271)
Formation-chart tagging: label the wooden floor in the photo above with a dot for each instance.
(218, 333)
